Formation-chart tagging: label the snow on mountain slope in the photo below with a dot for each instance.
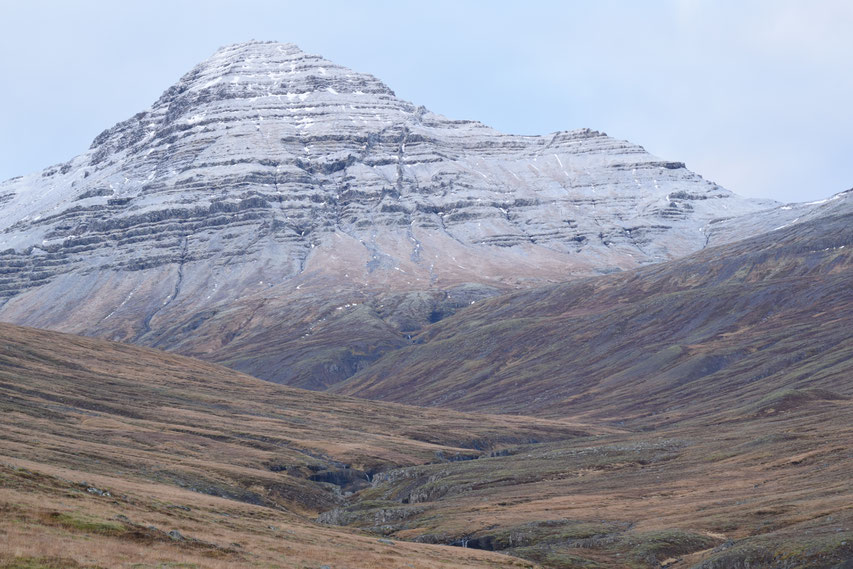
(267, 179)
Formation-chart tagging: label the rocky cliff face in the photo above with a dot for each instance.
(269, 184)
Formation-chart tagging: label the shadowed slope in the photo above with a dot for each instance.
(724, 331)
(145, 401)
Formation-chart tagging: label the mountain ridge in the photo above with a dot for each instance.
(652, 344)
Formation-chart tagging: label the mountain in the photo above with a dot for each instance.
(273, 203)
(748, 327)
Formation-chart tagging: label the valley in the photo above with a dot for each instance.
(119, 446)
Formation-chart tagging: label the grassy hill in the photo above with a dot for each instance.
(106, 448)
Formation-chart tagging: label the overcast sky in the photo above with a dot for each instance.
(754, 95)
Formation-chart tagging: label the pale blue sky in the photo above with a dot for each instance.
(756, 95)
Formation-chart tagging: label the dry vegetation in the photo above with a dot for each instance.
(220, 457)
(50, 520)
(732, 367)
(725, 328)
(762, 492)
(107, 448)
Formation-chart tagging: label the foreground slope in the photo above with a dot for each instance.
(116, 456)
(145, 402)
(754, 325)
(101, 441)
(269, 185)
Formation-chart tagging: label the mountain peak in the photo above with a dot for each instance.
(273, 69)
(253, 43)
(255, 81)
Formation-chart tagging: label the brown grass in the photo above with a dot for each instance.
(228, 462)
(222, 458)
(783, 483)
(46, 516)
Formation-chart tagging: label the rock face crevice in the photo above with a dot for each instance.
(265, 169)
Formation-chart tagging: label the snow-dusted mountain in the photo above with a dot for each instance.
(271, 185)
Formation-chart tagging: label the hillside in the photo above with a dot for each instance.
(723, 332)
(115, 456)
(238, 466)
(767, 491)
(733, 369)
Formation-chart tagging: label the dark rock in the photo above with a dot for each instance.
(176, 535)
